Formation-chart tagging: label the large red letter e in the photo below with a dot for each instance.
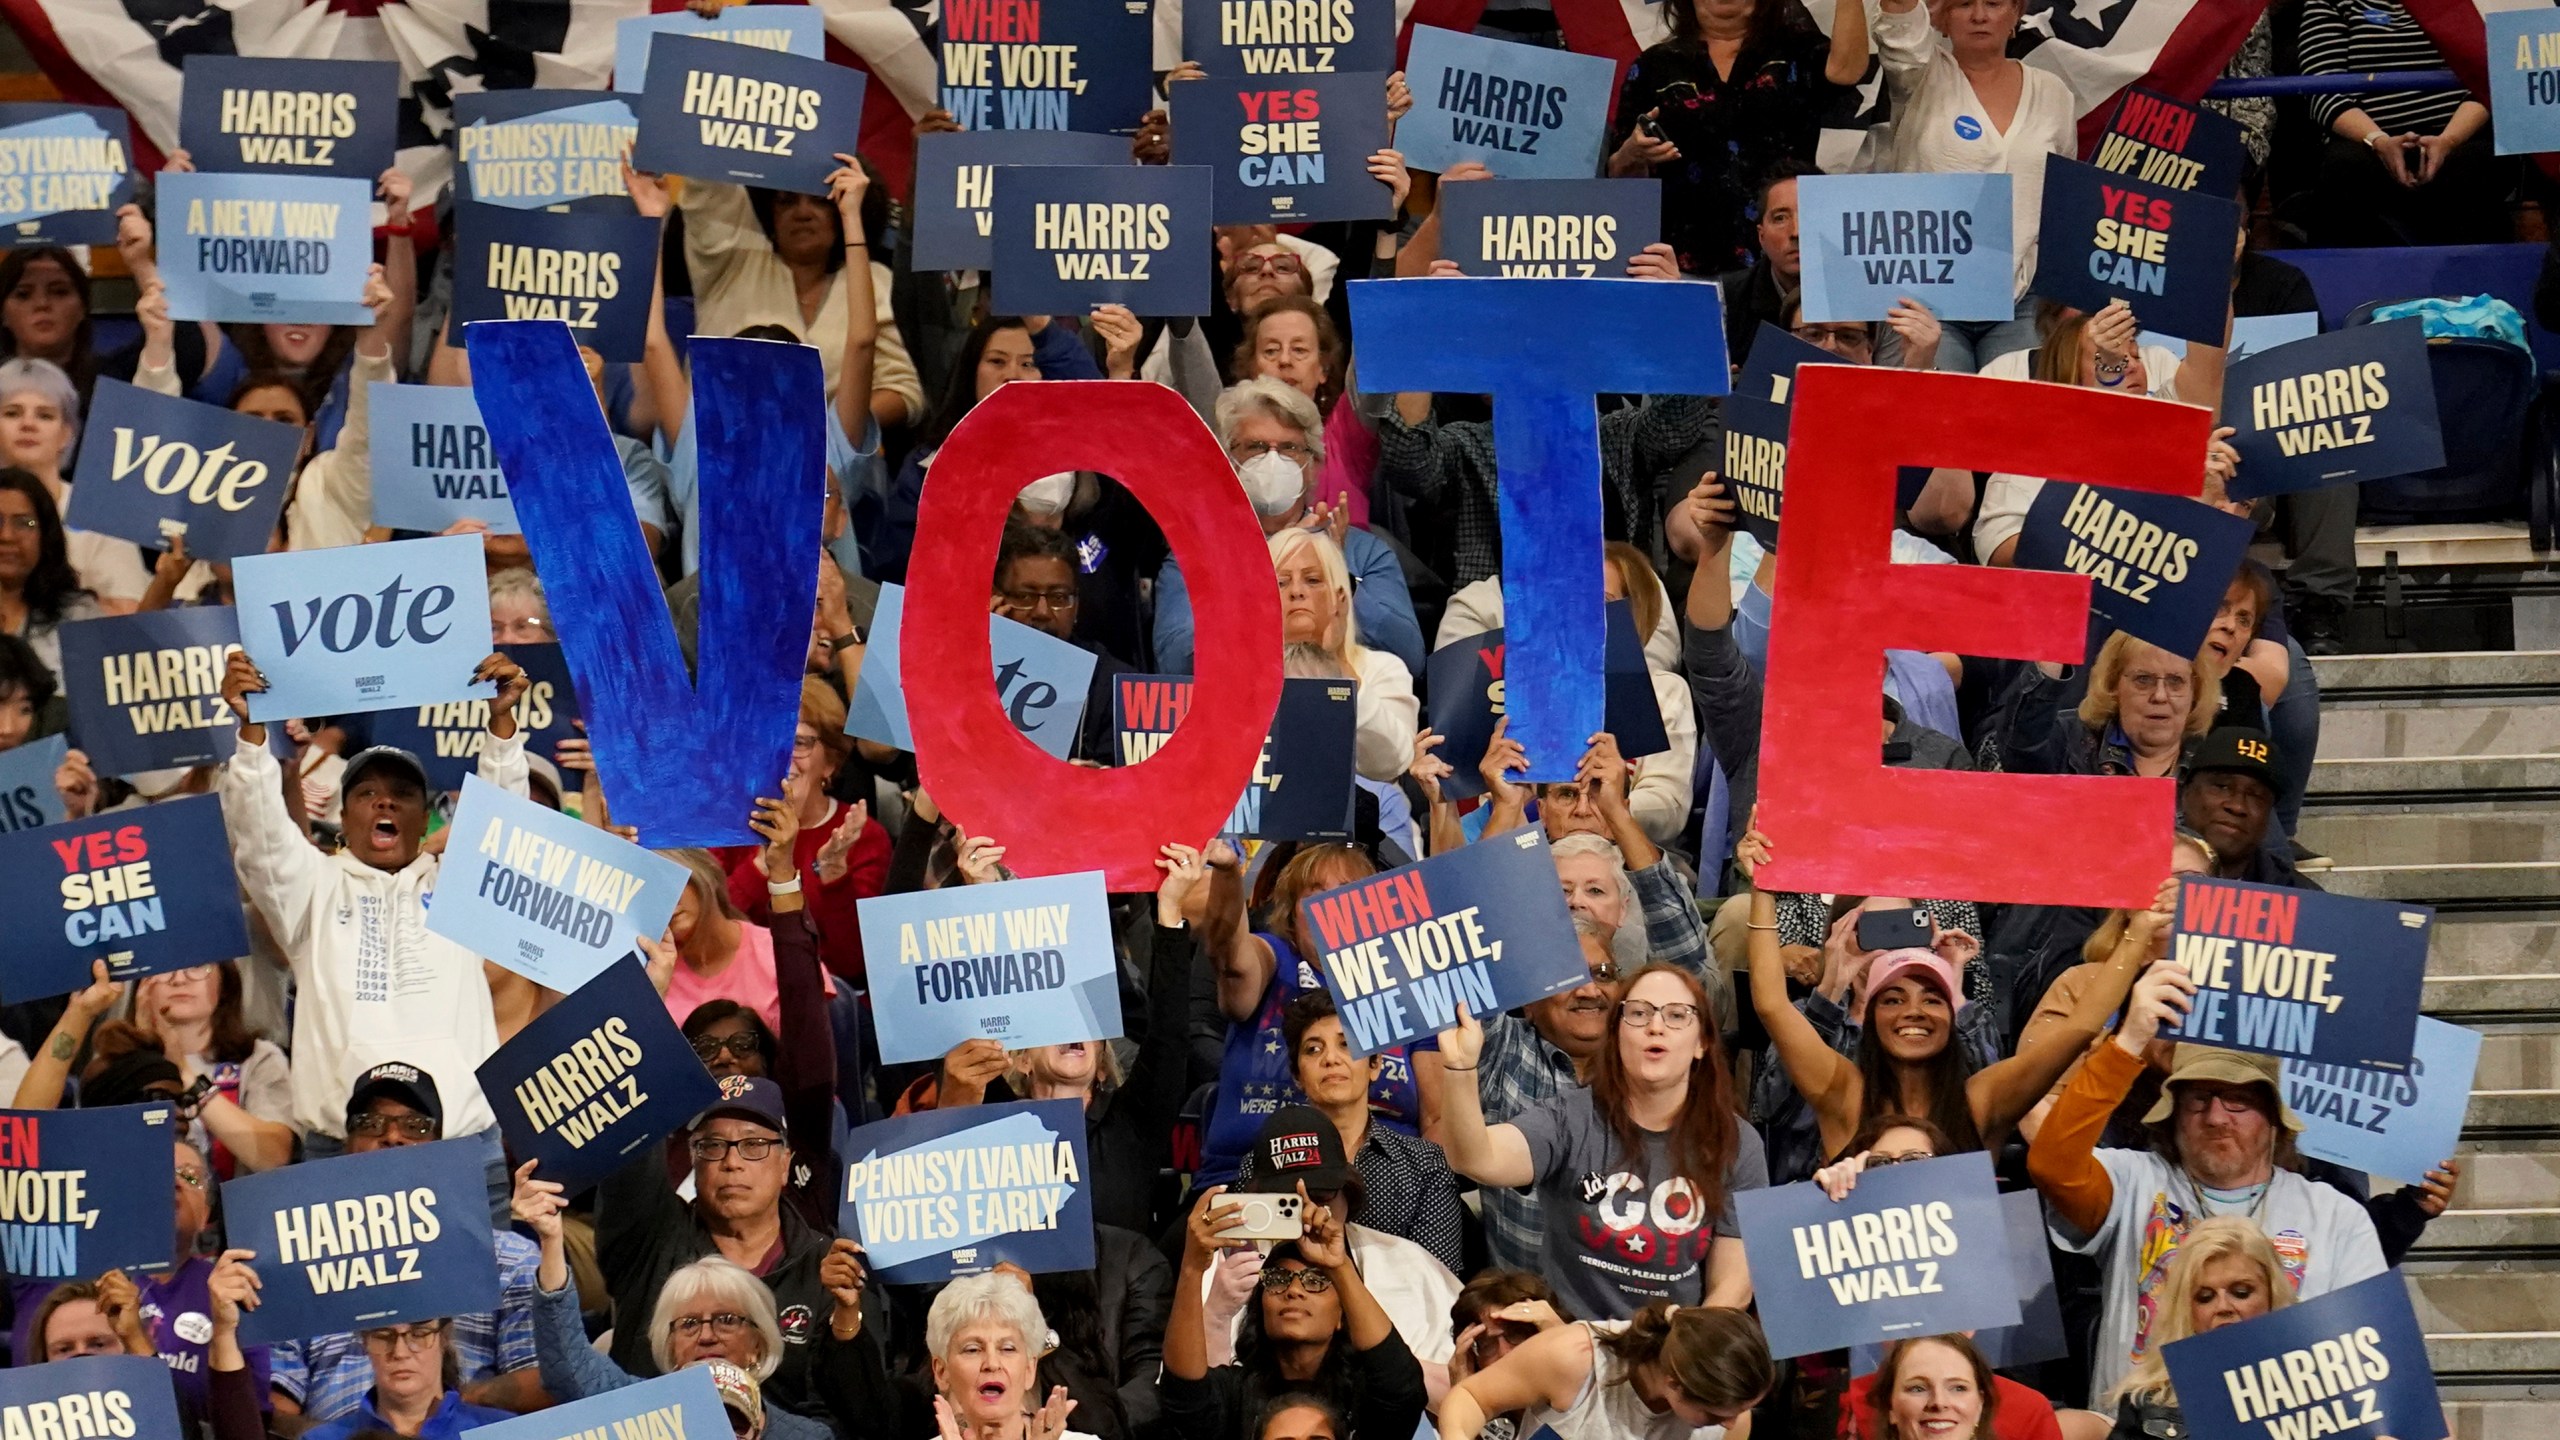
(1838, 818)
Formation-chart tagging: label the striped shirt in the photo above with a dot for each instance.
(2346, 37)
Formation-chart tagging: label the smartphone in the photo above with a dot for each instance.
(1258, 1217)
(1652, 127)
(1893, 930)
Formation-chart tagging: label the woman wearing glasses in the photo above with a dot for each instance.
(416, 1388)
(712, 1309)
(244, 1118)
(2144, 705)
(1636, 1173)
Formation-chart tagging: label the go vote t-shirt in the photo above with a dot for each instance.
(1618, 1239)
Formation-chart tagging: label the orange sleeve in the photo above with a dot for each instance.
(2063, 1159)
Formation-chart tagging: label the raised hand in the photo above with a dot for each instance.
(77, 784)
(538, 1202)
(1428, 769)
(1184, 869)
(393, 188)
(842, 1274)
(981, 860)
(846, 185)
(832, 861)
(241, 678)
(779, 824)
(1387, 166)
(232, 1287)
(1502, 755)
(1121, 333)
(511, 681)
(1462, 1044)
(1642, 150)
(648, 192)
(2162, 995)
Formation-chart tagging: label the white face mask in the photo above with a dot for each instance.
(1273, 482)
(1049, 494)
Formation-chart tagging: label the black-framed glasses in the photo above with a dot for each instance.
(372, 1125)
(740, 1043)
(1058, 601)
(1278, 1278)
(711, 1149)
(724, 1324)
(1878, 1159)
(393, 1339)
(1678, 1015)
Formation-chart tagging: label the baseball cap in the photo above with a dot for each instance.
(2238, 752)
(1298, 1146)
(406, 1083)
(539, 770)
(2228, 1067)
(739, 1393)
(1893, 964)
(748, 1097)
(383, 757)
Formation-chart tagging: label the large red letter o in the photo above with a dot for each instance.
(1054, 818)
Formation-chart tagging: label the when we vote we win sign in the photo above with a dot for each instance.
(2301, 974)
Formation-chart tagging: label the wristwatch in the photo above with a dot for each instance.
(854, 636)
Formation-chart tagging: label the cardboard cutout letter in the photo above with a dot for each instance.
(1545, 350)
(1839, 820)
(1055, 819)
(682, 759)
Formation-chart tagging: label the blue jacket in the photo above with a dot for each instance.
(447, 1423)
(1381, 607)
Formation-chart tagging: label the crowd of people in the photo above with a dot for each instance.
(1525, 1223)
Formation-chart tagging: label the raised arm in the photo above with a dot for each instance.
(50, 1068)
(1157, 1082)
(807, 1070)
(1550, 1368)
(1244, 959)
(277, 864)
(2000, 1093)
(670, 390)
(855, 405)
(1486, 1154)
(2063, 1158)
(1826, 1079)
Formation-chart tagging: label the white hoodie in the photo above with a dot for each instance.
(374, 985)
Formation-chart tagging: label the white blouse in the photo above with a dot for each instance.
(1941, 127)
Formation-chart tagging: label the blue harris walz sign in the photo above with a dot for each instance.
(91, 1395)
(1940, 240)
(1289, 37)
(447, 736)
(596, 1077)
(745, 116)
(63, 171)
(1920, 1249)
(1549, 228)
(2351, 1363)
(432, 464)
(593, 273)
(2352, 405)
(2157, 564)
(2300, 974)
(29, 799)
(146, 689)
(956, 186)
(358, 1241)
(238, 114)
(1526, 111)
(1070, 237)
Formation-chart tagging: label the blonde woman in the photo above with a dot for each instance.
(2142, 708)
(1315, 608)
(2223, 1272)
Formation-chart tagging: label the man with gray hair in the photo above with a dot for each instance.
(1275, 440)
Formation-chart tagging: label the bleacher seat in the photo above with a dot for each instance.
(2497, 455)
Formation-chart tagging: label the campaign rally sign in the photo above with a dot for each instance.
(431, 461)
(2157, 564)
(144, 890)
(1769, 371)
(542, 149)
(1023, 962)
(98, 1394)
(364, 627)
(2250, 334)
(2399, 1123)
(683, 1403)
(1465, 682)
(2300, 974)
(1403, 950)
(1301, 786)
(265, 248)
(63, 171)
(2173, 144)
(157, 466)
(87, 1190)
(547, 895)
(955, 1192)
(360, 1241)
(1041, 681)
(1289, 37)
(2166, 253)
(1070, 237)
(745, 115)
(2354, 404)
(290, 117)
(1527, 112)
(447, 736)
(597, 1076)
(955, 209)
(2351, 1363)
(1872, 240)
(789, 29)
(1918, 1249)
(1007, 65)
(591, 272)
(2039, 1334)
(146, 690)
(1755, 462)
(28, 796)
(2523, 54)
(1286, 150)
(1565, 229)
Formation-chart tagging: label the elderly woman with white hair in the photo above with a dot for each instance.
(39, 428)
(985, 1335)
(712, 1309)
(1274, 438)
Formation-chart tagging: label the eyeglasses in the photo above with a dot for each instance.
(1314, 1282)
(28, 523)
(396, 1338)
(191, 1177)
(2192, 1101)
(2145, 684)
(1845, 337)
(1606, 970)
(711, 1150)
(1678, 1015)
(1878, 1159)
(726, 1323)
(742, 1044)
(192, 972)
(416, 1127)
(803, 744)
(1036, 600)
(1244, 450)
(1272, 264)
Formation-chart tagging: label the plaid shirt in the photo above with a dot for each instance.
(329, 1375)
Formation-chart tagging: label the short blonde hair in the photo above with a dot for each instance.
(2098, 707)
(1337, 576)
(734, 1286)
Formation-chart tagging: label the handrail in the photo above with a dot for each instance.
(2364, 83)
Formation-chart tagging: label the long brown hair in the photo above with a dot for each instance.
(1717, 1357)
(1703, 1138)
(232, 1038)
(64, 1294)
(1329, 349)
(1880, 1385)
(314, 382)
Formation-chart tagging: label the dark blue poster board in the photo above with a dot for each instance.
(744, 115)
(1289, 37)
(956, 186)
(592, 272)
(1918, 1249)
(2157, 564)
(146, 690)
(1288, 150)
(447, 737)
(1070, 237)
(1466, 683)
(63, 171)
(1755, 463)
(2302, 974)
(1559, 228)
(1483, 926)
(290, 117)
(29, 800)
(594, 1078)
(955, 1192)
(144, 890)
(110, 1395)
(2351, 405)
(2351, 1363)
(2166, 253)
(2173, 144)
(359, 1241)
(1008, 65)
(90, 1190)
(1301, 787)
(158, 466)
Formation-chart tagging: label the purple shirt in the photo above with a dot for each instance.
(179, 1309)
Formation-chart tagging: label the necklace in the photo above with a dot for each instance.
(2204, 1207)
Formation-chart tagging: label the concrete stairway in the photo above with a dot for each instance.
(2439, 781)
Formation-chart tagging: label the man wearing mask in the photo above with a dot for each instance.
(1275, 439)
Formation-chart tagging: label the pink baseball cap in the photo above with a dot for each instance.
(1893, 964)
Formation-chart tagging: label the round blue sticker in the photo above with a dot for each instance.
(1968, 128)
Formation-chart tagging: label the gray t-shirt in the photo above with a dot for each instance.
(2323, 1237)
(1618, 1239)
